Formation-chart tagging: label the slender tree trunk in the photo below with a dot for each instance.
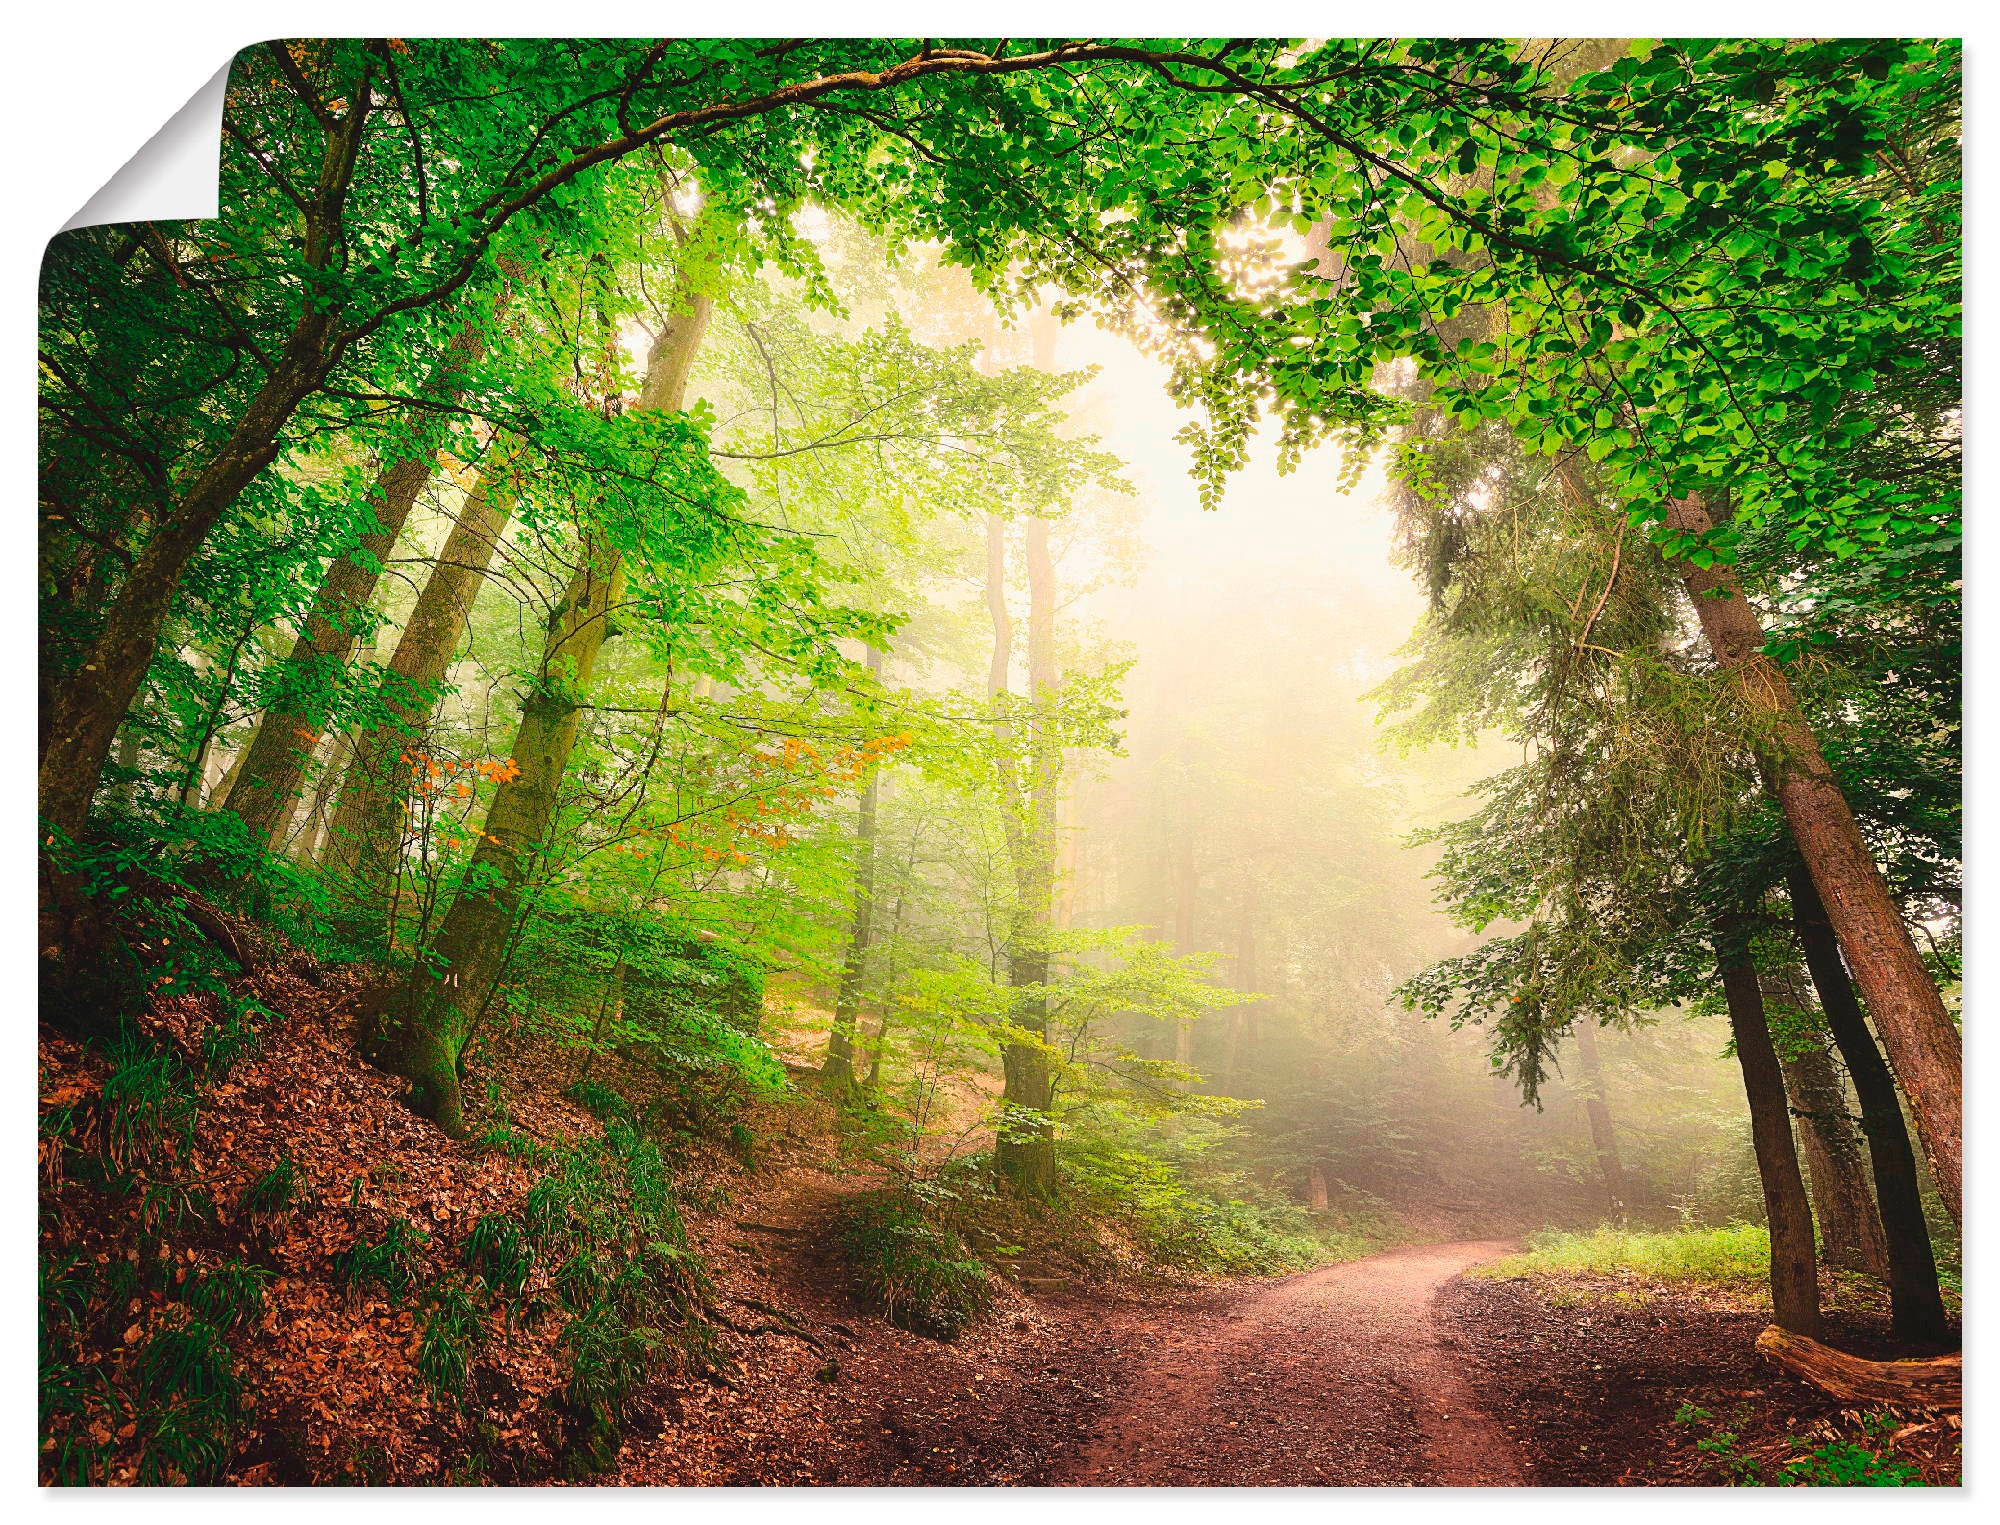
(1794, 1262)
(267, 789)
(365, 837)
(1921, 1039)
(1025, 1152)
(128, 759)
(471, 948)
(93, 701)
(1850, 1235)
(1597, 1107)
(1185, 887)
(1316, 1193)
(837, 1073)
(1916, 1307)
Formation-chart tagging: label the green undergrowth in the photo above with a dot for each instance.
(1856, 1462)
(1168, 1186)
(910, 1261)
(1735, 1258)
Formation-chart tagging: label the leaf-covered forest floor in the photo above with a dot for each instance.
(1602, 1384)
(1392, 1370)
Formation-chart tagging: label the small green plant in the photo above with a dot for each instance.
(917, 1271)
(497, 1252)
(453, 1333)
(190, 1401)
(600, 1101)
(390, 1264)
(229, 1296)
(169, 1206)
(1836, 1464)
(149, 1102)
(276, 1191)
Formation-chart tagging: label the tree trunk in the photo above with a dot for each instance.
(1025, 1154)
(837, 1073)
(471, 950)
(1316, 1194)
(1597, 1106)
(1185, 886)
(1794, 1265)
(365, 837)
(266, 791)
(1850, 1235)
(1921, 1039)
(93, 701)
(1916, 1307)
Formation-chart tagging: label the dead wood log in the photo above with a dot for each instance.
(1934, 1384)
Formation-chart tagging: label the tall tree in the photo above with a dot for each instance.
(365, 835)
(1919, 1034)
(476, 938)
(837, 1070)
(1794, 1261)
(273, 769)
(1916, 1306)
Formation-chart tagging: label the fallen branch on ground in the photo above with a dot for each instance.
(1932, 1384)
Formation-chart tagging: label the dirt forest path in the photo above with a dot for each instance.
(1342, 1376)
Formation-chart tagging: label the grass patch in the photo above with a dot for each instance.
(1737, 1257)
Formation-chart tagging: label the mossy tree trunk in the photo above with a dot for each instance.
(1597, 1107)
(837, 1073)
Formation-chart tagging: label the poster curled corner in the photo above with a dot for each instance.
(175, 176)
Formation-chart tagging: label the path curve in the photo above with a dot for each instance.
(1336, 1377)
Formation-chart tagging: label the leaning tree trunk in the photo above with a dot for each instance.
(1597, 1107)
(1794, 1264)
(365, 836)
(837, 1073)
(1850, 1235)
(1917, 1031)
(470, 953)
(88, 708)
(266, 791)
(1916, 1306)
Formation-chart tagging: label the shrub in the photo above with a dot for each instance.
(916, 1270)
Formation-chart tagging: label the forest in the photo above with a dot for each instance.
(1033, 762)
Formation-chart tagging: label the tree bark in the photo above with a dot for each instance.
(1794, 1263)
(837, 1073)
(365, 836)
(1921, 1039)
(266, 791)
(1597, 1107)
(1916, 1306)
(1024, 1154)
(470, 953)
(1850, 1235)
(89, 706)
(1934, 1384)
